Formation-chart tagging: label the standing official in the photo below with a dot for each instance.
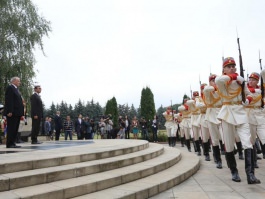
(235, 120)
(13, 111)
(36, 114)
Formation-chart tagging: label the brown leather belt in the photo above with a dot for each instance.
(232, 103)
(249, 106)
(211, 106)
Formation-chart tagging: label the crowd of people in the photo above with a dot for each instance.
(86, 128)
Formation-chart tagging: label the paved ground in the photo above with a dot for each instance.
(213, 183)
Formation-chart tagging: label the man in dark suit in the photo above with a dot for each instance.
(80, 127)
(58, 123)
(36, 114)
(13, 111)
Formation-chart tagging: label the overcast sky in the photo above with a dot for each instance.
(114, 48)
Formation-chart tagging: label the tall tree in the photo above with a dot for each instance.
(111, 108)
(147, 104)
(22, 29)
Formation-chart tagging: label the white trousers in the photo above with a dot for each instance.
(196, 132)
(229, 134)
(257, 130)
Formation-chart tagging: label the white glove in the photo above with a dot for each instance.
(258, 91)
(240, 79)
(246, 103)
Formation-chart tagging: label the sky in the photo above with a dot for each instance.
(99, 49)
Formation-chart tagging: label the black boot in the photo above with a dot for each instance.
(169, 141)
(174, 141)
(214, 156)
(194, 145)
(249, 167)
(217, 155)
(263, 150)
(258, 147)
(209, 142)
(231, 163)
(222, 147)
(197, 144)
(255, 156)
(182, 141)
(188, 144)
(240, 150)
(206, 151)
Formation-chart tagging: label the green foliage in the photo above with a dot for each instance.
(22, 29)
(147, 104)
(112, 108)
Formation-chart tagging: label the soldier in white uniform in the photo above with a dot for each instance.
(255, 113)
(181, 129)
(262, 139)
(170, 125)
(214, 103)
(195, 120)
(184, 110)
(205, 134)
(235, 120)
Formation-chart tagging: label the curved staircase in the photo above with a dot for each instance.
(93, 169)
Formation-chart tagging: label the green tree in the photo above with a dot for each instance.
(22, 29)
(132, 112)
(147, 104)
(161, 118)
(111, 108)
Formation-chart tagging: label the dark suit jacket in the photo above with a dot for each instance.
(79, 128)
(58, 123)
(13, 102)
(36, 106)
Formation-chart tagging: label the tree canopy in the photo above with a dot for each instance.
(21, 30)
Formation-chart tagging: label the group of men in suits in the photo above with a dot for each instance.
(14, 110)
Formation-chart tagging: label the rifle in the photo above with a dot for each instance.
(190, 92)
(261, 83)
(241, 72)
(172, 111)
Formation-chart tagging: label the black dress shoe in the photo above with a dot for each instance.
(36, 142)
(13, 146)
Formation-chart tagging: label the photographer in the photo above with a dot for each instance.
(143, 124)
(101, 126)
(121, 133)
(109, 125)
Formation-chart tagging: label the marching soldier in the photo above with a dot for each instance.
(170, 125)
(262, 139)
(235, 120)
(255, 113)
(214, 103)
(181, 129)
(184, 110)
(205, 134)
(195, 120)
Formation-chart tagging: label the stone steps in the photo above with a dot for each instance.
(33, 159)
(102, 169)
(151, 185)
(21, 179)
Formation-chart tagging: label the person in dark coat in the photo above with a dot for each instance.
(36, 114)
(80, 127)
(13, 111)
(58, 123)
